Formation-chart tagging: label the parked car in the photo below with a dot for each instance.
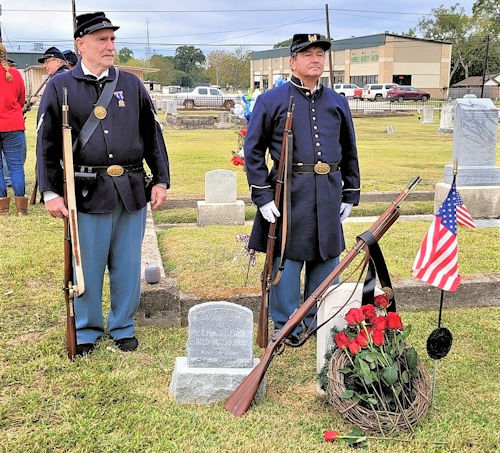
(377, 91)
(405, 92)
(345, 89)
(206, 96)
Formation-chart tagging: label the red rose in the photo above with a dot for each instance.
(342, 340)
(394, 321)
(380, 323)
(378, 337)
(354, 347)
(330, 436)
(237, 160)
(354, 316)
(362, 339)
(369, 312)
(381, 301)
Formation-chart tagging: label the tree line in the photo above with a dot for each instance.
(189, 67)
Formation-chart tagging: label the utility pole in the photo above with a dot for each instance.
(0, 24)
(73, 10)
(485, 68)
(148, 47)
(330, 62)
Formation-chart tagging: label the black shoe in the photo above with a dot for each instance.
(84, 349)
(127, 344)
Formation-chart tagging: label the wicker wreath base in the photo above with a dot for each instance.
(377, 422)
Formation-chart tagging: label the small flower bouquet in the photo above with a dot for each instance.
(375, 379)
(238, 156)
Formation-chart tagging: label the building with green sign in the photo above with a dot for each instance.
(380, 58)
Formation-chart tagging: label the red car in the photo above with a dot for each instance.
(358, 93)
(405, 92)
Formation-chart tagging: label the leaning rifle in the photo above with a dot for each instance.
(72, 256)
(281, 186)
(239, 402)
(28, 104)
(26, 109)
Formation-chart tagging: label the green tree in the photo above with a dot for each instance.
(189, 60)
(487, 15)
(124, 54)
(230, 70)
(168, 75)
(453, 25)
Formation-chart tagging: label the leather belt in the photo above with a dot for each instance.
(112, 170)
(320, 168)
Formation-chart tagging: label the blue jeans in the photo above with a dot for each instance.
(13, 150)
(284, 297)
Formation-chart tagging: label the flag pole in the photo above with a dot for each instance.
(441, 298)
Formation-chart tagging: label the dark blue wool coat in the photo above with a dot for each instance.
(322, 131)
(127, 135)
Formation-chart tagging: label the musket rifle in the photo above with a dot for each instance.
(239, 402)
(282, 183)
(26, 109)
(72, 255)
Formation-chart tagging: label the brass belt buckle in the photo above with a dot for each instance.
(322, 168)
(115, 170)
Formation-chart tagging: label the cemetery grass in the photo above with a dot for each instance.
(114, 401)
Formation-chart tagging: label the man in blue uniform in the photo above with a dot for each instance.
(53, 61)
(325, 182)
(110, 189)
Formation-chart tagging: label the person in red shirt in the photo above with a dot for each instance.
(12, 136)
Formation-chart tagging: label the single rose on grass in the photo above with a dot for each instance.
(330, 436)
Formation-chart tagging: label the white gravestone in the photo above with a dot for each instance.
(428, 117)
(219, 354)
(446, 119)
(474, 148)
(220, 206)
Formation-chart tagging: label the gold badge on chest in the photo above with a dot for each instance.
(100, 112)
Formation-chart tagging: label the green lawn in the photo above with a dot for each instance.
(118, 402)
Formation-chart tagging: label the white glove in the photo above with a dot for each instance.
(269, 210)
(345, 210)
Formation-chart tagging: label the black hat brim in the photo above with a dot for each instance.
(46, 57)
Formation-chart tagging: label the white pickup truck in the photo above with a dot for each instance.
(207, 97)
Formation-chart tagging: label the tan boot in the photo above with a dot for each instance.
(4, 205)
(22, 205)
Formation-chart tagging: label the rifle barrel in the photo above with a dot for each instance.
(239, 402)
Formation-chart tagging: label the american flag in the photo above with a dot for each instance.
(436, 262)
(463, 216)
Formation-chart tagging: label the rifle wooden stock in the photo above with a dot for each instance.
(71, 240)
(267, 273)
(239, 402)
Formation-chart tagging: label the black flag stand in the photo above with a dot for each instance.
(440, 339)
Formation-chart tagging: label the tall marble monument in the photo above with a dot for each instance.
(474, 147)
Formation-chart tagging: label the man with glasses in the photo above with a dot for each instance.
(53, 61)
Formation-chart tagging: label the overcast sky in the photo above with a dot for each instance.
(208, 24)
